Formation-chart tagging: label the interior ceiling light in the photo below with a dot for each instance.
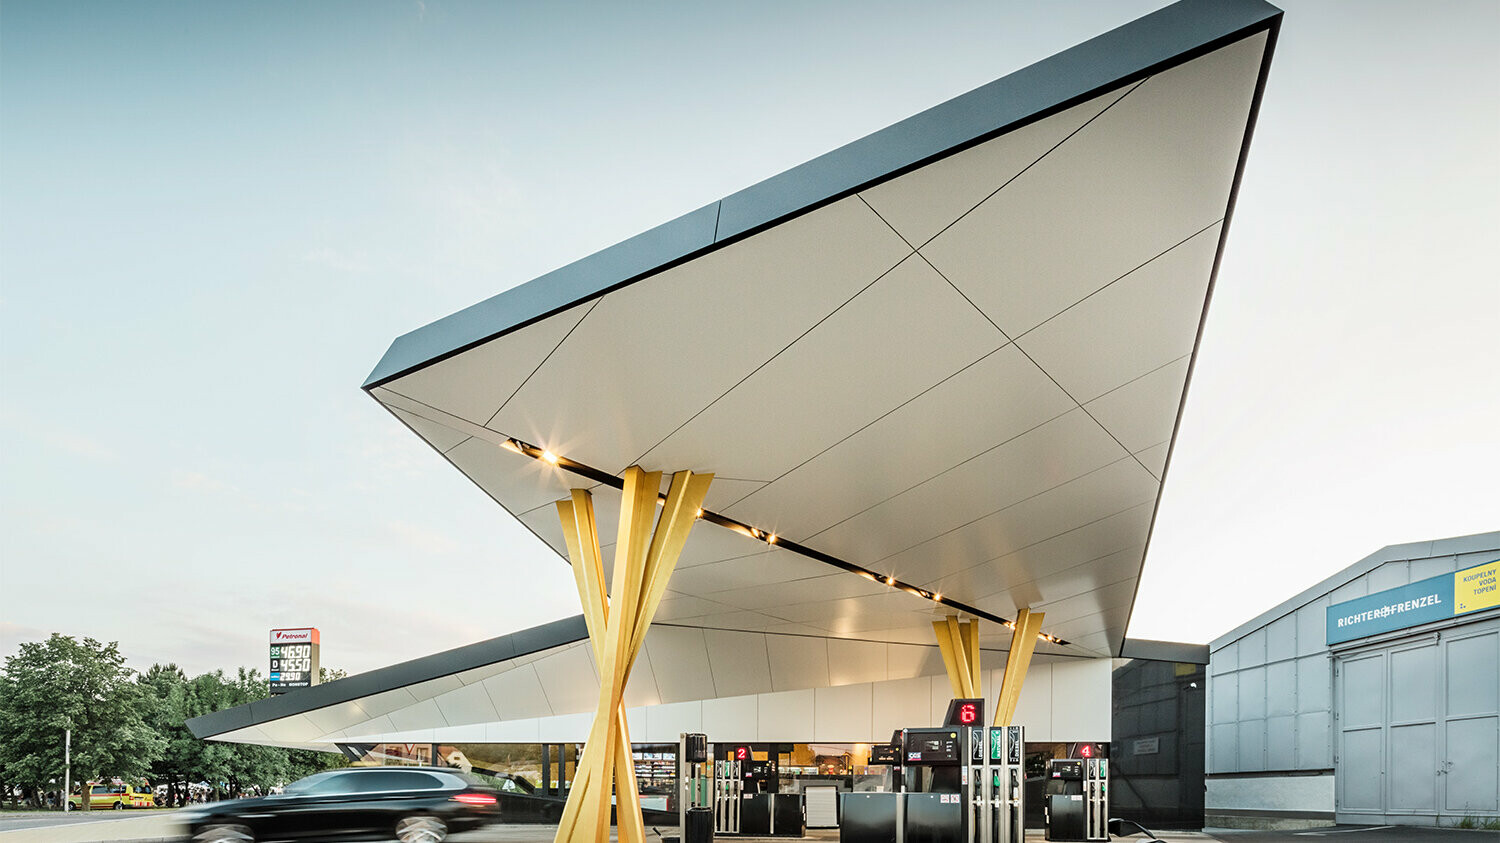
(614, 482)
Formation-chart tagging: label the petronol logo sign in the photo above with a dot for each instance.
(294, 659)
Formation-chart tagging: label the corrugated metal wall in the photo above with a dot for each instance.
(1270, 692)
(1272, 706)
(1270, 698)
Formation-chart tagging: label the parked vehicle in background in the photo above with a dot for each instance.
(412, 804)
(116, 796)
(522, 802)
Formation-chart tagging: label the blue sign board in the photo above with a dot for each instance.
(1397, 608)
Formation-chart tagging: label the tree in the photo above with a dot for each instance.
(61, 683)
(167, 688)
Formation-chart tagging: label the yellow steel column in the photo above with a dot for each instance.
(617, 624)
(959, 644)
(1022, 644)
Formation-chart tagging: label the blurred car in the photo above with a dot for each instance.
(411, 804)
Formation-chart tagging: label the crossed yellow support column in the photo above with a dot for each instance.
(617, 624)
(1022, 645)
(959, 644)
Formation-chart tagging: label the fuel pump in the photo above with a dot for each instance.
(729, 788)
(1096, 798)
(934, 764)
(961, 783)
(1004, 812)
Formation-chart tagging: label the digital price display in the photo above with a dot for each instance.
(1088, 750)
(964, 712)
(294, 659)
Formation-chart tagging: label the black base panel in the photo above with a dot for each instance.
(1065, 817)
(868, 817)
(931, 820)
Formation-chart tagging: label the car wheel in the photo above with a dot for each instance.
(224, 834)
(421, 830)
(119, 806)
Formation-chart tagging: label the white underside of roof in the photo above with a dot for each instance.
(721, 674)
(967, 377)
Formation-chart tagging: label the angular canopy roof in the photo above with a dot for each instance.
(952, 353)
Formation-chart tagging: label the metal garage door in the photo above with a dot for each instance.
(1417, 725)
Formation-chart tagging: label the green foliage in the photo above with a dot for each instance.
(61, 683)
(1486, 823)
(131, 729)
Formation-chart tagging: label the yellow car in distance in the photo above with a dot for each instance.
(115, 796)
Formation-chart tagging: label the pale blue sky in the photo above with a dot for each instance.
(215, 216)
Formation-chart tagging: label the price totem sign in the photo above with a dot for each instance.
(294, 659)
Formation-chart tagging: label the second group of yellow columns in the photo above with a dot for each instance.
(959, 644)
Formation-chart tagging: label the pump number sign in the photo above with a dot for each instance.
(294, 659)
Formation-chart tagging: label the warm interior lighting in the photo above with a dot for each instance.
(890, 580)
(937, 597)
(549, 457)
(771, 539)
(700, 513)
(510, 445)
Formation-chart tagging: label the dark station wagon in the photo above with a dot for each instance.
(411, 804)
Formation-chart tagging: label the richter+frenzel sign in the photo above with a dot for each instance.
(294, 659)
(1434, 599)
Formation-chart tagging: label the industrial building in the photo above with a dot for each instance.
(1390, 719)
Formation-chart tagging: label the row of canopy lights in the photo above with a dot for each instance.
(767, 536)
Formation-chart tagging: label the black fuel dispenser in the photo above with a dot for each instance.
(935, 777)
(1077, 796)
(957, 784)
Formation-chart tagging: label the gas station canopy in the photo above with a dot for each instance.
(951, 354)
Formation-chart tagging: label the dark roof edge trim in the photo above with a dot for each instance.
(1162, 39)
(1164, 651)
(1458, 545)
(479, 654)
